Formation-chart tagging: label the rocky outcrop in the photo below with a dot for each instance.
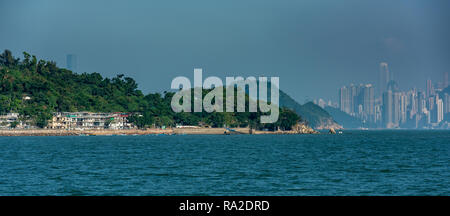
(302, 128)
(332, 131)
(328, 124)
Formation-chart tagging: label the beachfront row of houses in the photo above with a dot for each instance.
(72, 121)
(89, 120)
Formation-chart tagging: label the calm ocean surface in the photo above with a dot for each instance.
(353, 163)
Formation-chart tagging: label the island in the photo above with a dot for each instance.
(39, 98)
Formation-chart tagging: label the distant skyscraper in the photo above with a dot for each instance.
(412, 103)
(71, 61)
(446, 103)
(388, 109)
(439, 110)
(392, 86)
(445, 79)
(354, 92)
(344, 99)
(403, 107)
(430, 89)
(397, 108)
(421, 102)
(394, 107)
(369, 102)
(358, 101)
(378, 114)
(384, 78)
(431, 102)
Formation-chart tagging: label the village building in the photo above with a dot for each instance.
(9, 120)
(89, 120)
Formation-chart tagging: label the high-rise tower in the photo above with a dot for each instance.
(384, 78)
(430, 88)
(71, 61)
(369, 102)
(344, 99)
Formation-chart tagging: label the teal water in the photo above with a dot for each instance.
(353, 163)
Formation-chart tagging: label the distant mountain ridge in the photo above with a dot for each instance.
(316, 117)
(346, 120)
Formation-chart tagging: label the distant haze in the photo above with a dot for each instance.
(315, 47)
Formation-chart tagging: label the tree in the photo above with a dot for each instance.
(14, 124)
(7, 59)
(287, 119)
(42, 119)
(108, 123)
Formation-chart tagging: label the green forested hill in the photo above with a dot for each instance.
(37, 88)
(314, 115)
(56, 89)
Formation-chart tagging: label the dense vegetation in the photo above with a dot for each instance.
(37, 88)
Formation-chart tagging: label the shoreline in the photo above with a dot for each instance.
(169, 131)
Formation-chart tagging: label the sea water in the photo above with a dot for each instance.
(385, 162)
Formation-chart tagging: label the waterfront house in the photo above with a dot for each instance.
(9, 120)
(89, 120)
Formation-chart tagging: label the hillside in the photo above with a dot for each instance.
(315, 116)
(346, 120)
(36, 88)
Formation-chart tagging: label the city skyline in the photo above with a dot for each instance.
(393, 107)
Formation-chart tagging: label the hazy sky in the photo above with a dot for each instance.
(315, 47)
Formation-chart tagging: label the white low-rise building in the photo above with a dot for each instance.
(89, 120)
(9, 120)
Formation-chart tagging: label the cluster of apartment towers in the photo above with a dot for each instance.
(392, 108)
